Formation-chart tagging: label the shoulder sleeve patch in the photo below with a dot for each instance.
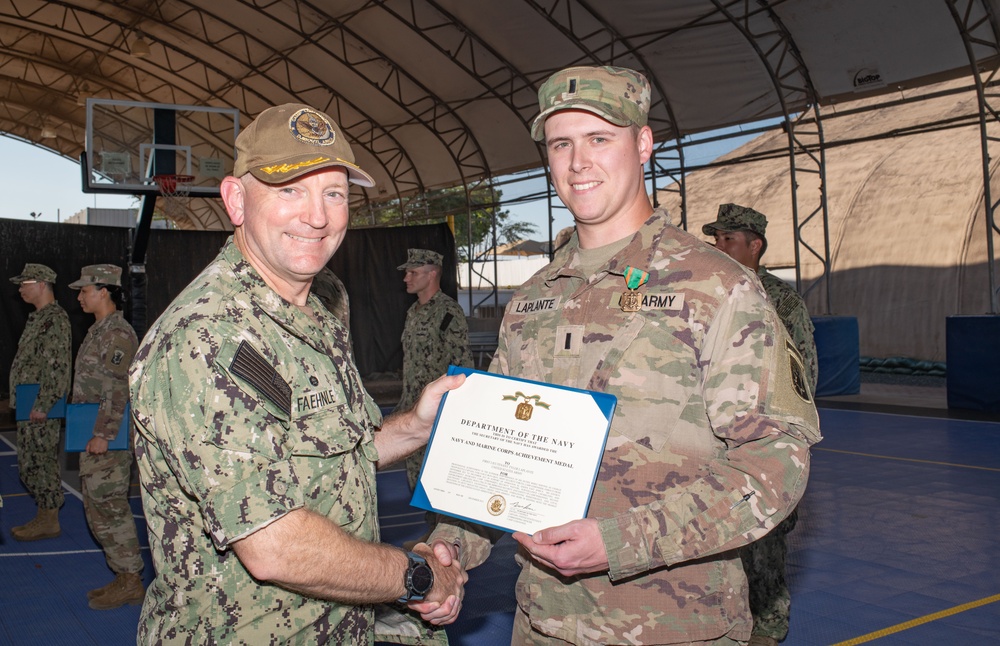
(446, 321)
(789, 397)
(117, 357)
(798, 373)
(252, 366)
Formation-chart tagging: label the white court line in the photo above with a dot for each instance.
(73, 492)
(61, 553)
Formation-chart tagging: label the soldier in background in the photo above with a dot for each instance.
(739, 233)
(709, 445)
(435, 336)
(101, 376)
(44, 357)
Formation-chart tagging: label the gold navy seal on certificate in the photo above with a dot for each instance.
(525, 408)
(514, 454)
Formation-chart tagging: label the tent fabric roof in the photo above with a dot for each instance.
(906, 219)
(435, 93)
(523, 248)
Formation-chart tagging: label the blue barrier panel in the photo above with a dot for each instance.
(973, 355)
(839, 355)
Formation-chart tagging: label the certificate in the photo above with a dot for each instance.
(26, 395)
(80, 421)
(514, 454)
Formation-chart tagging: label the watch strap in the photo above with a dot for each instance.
(415, 561)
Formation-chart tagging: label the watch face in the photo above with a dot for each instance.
(422, 579)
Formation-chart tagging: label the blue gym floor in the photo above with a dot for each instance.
(898, 542)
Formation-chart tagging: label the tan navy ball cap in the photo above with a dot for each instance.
(733, 217)
(34, 271)
(616, 94)
(98, 275)
(290, 140)
(420, 257)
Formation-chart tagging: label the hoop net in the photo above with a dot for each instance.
(175, 190)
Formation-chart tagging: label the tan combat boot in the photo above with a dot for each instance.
(45, 524)
(126, 588)
(96, 592)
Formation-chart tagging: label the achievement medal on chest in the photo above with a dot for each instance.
(631, 300)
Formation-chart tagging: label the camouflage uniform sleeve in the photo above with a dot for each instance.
(196, 417)
(795, 316)
(474, 542)
(766, 424)
(456, 337)
(117, 350)
(55, 352)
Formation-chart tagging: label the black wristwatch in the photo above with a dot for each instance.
(418, 580)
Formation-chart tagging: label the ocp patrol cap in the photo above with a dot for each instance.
(35, 271)
(733, 217)
(98, 275)
(420, 257)
(616, 94)
(290, 140)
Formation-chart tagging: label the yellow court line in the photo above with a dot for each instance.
(918, 621)
(892, 457)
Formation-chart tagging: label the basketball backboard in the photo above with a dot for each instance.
(130, 142)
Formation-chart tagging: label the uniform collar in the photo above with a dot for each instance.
(42, 310)
(262, 297)
(638, 252)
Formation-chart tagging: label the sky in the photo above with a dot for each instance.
(37, 180)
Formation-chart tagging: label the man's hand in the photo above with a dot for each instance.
(442, 605)
(37, 417)
(402, 434)
(570, 549)
(425, 410)
(97, 446)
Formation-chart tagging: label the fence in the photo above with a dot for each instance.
(509, 273)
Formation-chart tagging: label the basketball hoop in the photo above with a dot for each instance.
(175, 190)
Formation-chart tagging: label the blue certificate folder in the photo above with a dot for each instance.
(474, 449)
(26, 395)
(80, 420)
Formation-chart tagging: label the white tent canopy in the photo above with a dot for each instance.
(906, 253)
(440, 92)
